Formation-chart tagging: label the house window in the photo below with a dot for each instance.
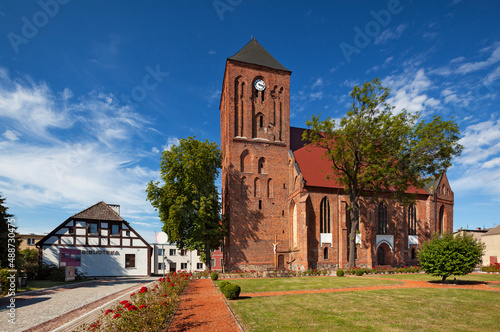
(324, 216)
(160, 266)
(93, 228)
(198, 253)
(183, 252)
(31, 241)
(129, 260)
(71, 230)
(212, 262)
(127, 233)
(161, 252)
(412, 220)
(325, 253)
(199, 266)
(382, 218)
(115, 229)
(172, 252)
(184, 266)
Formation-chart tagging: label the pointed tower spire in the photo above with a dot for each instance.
(255, 54)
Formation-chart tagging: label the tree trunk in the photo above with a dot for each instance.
(208, 257)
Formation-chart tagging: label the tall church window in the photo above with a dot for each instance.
(270, 193)
(243, 186)
(324, 216)
(294, 225)
(382, 218)
(325, 253)
(256, 187)
(412, 220)
(244, 160)
(262, 164)
(441, 220)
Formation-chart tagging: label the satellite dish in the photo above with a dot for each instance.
(161, 237)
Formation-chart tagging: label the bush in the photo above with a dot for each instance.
(231, 291)
(214, 276)
(222, 285)
(340, 273)
(446, 255)
(360, 272)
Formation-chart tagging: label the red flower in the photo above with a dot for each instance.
(124, 302)
(172, 284)
(142, 306)
(108, 311)
(132, 294)
(164, 295)
(116, 315)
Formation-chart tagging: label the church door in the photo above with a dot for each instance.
(281, 262)
(380, 255)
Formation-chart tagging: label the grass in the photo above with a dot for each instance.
(378, 310)
(428, 277)
(303, 283)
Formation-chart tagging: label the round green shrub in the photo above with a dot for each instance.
(340, 273)
(231, 291)
(222, 285)
(214, 276)
(360, 272)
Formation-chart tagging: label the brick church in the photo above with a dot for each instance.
(281, 210)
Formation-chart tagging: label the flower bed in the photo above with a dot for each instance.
(494, 268)
(147, 309)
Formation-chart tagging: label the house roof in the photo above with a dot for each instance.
(255, 54)
(493, 231)
(315, 166)
(99, 211)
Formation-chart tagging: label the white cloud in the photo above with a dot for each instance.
(11, 135)
(171, 141)
(475, 66)
(391, 33)
(408, 92)
(318, 83)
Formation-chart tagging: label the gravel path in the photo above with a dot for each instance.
(202, 308)
(35, 308)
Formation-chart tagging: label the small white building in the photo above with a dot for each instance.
(99, 243)
(171, 258)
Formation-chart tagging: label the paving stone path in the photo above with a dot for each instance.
(35, 310)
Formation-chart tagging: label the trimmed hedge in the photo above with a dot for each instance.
(340, 273)
(214, 276)
(231, 291)
(222, 285)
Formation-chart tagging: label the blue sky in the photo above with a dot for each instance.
(91, 92)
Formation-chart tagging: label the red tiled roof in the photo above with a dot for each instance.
(315, 166)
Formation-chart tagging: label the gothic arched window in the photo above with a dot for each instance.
(412, 220)
(324, 216)
(382, 218)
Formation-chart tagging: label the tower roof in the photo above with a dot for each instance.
(255, 54)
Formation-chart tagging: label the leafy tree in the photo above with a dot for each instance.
(374, 149)
(188, 201)
(7, 228)
(446, 255)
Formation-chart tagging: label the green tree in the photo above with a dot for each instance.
(188, 200)
(7, 241)
(446, 255)
(374, 149)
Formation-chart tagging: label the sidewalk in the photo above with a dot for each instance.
(47, 309)
(202, 308)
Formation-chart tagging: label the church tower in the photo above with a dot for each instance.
(255, 143)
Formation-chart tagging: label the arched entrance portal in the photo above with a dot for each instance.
(384, 254)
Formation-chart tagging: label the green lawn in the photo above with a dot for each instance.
(303, 283)
(379, 310)
(428, 277)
